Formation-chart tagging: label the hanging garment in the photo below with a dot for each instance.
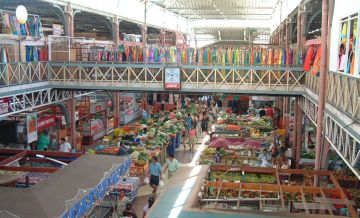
(308, 59)
(352, 65)
(344, 33)
(316, 66)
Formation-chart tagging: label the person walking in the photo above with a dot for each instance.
(188, 126)
(192, 138)
(155, 174)
(146, 208)
(172, 165)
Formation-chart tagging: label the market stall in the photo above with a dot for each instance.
(272, 190)
(75, 195)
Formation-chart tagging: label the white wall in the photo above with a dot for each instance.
(343, 8)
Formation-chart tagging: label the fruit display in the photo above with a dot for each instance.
(250, 194)
(346, 178)
(238, 176)
(295, 197)
(355, 193)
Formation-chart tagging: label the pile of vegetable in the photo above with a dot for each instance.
(238, 176)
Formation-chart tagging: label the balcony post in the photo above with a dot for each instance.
(322, 80)
(72, 120)
(116, 107)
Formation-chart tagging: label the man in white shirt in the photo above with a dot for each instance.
(65, 146)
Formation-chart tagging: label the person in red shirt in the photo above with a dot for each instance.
(269, 111)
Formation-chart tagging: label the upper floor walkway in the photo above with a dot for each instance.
(29, 85)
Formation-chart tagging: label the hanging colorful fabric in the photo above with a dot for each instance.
(309, 58)
(344, 33)
(316, 66)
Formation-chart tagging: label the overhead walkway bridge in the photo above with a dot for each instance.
(32, 85)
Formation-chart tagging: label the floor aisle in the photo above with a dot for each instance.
(185, 157)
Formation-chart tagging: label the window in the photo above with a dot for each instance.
(348, 53)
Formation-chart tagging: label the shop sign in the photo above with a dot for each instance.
(4, 105)
(172, 79)
(57, 29)
(46, 122)
(31, 124)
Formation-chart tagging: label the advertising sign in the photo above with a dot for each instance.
(46, 122)
(4, 105)
(172, 79)
(31, 124)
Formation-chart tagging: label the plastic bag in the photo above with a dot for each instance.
(147, 180)
(161, 183)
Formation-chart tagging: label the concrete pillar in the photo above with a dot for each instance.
(116, 30)
(322, 81)
(116, 106)
(71, 103)
(69, 20)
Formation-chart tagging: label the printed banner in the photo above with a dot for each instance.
(46, 122)
(4, 105)
(172, 79)
(31, 124)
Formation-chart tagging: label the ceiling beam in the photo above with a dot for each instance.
(230, 14)
(223, 19)
(221, 8)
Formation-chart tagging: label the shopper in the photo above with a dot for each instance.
(172, 165)
(269, 111)
(155, 174)
(205, 125)
(43, 142)
(129, 211)
(172, 115)
(264, 158)
(188, 126)
(262, 112)
(65, 146)
(192, 139)
(276, 119)
(217, 156)
(121, 202)
(148, 206)
(122, 149)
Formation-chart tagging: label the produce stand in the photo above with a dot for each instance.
(265, 189)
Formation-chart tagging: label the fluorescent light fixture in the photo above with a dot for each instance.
(213, 23)
(51, 159)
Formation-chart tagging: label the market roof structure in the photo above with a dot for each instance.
(47, 199)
